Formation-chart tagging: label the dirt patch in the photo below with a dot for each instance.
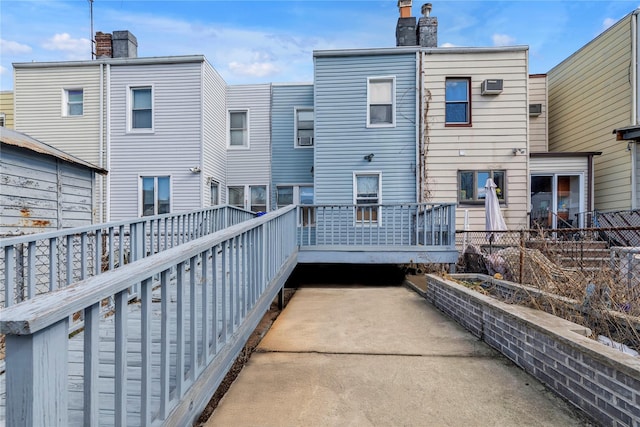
(255, 338)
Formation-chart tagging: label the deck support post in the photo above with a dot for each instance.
(36, 374)
(281, 299)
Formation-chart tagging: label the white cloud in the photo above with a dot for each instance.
(254, 69)
(448, 45)
(608, 22)
(3, 70)
(502, 40)
(9, 47)
(65, 43)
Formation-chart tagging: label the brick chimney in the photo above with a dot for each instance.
(427, 27)
(103, 45)
(406, 28)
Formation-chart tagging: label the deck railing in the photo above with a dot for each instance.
(34, 264)
(155, 361)
(425, 224)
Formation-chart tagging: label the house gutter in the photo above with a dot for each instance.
(101, 183)
(418, 169)
(634, 105)
(108, 151)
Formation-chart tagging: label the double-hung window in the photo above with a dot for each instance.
(73, 102)
(304, 127)
(239, 129)
(156, 195)
(141, 101)
(471, 185)
(257, 201)
(381, 96)
(458, 101)
(366, 189)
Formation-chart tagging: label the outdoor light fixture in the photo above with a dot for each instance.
(195, 169)
(368, 157)
(518, 150)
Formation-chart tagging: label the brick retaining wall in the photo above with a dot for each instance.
(603, 382)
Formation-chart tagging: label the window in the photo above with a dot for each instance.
(258, 198)
(215, 193)
(471, 185)
(238, 129)
(236, 196)
(3, 119)
(458, 102)
(257, 201)
(300, 195)
(73, 100)
(141, 108)
(304, 127)
(156, 195)
(367, 197)
(381, 101)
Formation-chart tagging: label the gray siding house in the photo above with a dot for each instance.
(292, 144)
(43, 188)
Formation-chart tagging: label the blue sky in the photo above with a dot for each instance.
(273, 41)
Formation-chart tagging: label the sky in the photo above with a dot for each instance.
(273, 41)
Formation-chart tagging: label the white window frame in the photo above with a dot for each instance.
(362, 223)
(296, 142)
(247, 145)
(65, 101)
(130, 128)
(213, 183)
(393, 102)
(247, 195)
(155, 201)
(296, 200)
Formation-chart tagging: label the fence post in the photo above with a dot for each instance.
(521, 255)
(36, 374)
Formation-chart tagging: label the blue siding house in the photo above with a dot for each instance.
(292, 144)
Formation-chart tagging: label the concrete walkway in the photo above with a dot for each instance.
(380, 356)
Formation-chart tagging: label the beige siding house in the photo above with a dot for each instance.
(492, 141)
(6, 109)
(538, 117)
(591, 93)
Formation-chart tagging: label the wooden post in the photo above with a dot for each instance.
(37, 371)
(521, 256)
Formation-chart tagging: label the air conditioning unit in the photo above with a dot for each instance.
(535, 109)
(491, 87)
(305, 141)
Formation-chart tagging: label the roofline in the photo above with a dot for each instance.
(414, 49)
(180, 59)
(292, 84)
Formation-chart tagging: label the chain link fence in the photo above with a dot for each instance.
(578, 274)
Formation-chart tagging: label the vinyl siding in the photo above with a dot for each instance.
(214, 125)
(6, 107)
(251, 166)
(289, 165)
(39, 193)
(590, 94)
(342, 138)
(538, 132)
(499, 124)
(172, 148)
(39, 98)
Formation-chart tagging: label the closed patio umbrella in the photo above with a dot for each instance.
(494, 219)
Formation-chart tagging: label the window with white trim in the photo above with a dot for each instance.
(155, 195)
(141, 108)
(215, 192)
(73, 102)
(299, 195)
(256, 202)
(239, 129)
(366, 195)
(381, 101)
(304, 127)
(471, 185)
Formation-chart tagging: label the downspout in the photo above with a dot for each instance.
(108, 161)
(634, 105)
(418, 169)
(101, 181)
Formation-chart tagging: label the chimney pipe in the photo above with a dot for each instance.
(427, 27)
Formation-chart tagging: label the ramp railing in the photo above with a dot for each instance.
(157, 360)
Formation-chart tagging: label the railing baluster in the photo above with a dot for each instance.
(53, 264)
(165, 347)
(145, 350)
(223, 293)
(214, 301)
(120, 392)
(193, 333)
(91, 366)
(180, 330)
(204, 284)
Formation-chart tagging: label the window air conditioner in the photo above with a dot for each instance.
(535, 109)
(305, 141)
(491, 87)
